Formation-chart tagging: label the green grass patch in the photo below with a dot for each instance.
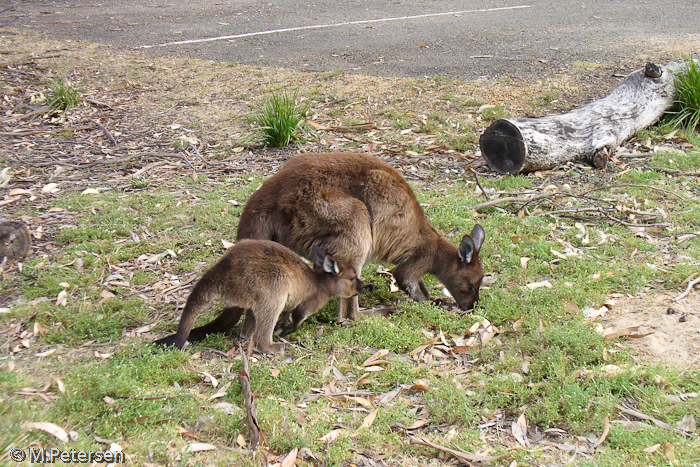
(279, 119)
(685, 111)
(62, 95)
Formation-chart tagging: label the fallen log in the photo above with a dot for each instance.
(588, 134)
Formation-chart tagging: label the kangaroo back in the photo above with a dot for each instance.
(357, 206)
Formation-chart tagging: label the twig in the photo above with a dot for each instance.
(319, 392)
(225, 164)
(691, 284)
(98, 103)
(154, 398)
(476, 178)
(510, 199)
(463, 456)
(657, 422)
(633, 185)
(256, 434)
(675, 172)
(106, 131)
(628, 224)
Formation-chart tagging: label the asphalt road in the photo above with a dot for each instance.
(453, 38)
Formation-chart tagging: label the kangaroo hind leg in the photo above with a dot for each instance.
(266, 315)
(228, 318)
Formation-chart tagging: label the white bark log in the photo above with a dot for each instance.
(588, 134)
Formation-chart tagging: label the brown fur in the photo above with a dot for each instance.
(15, 241)
(357, 206)
(267, 279)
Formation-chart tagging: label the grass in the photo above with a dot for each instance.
(279, 119)
(494, 113)
(127, 257)
(685, 111)
(547, 98)
(565, 386)
(63, 95)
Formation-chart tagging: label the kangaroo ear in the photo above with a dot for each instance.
(330, 265)
(324, 261)
(478, 236)
(466, 249)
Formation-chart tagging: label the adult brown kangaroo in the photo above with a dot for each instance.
(265, 279)
(356, 206)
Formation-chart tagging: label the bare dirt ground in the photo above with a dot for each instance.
(673, 328)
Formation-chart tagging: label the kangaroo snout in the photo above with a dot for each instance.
(369, 288)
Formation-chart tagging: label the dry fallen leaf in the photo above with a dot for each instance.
(360, 400)
(291, 458)
(90, 191)
(389, 396)
(517, 324)
(214, 381)
(184, 432)
(62, 298)
(19, 191)
(50, 428)
(606, 430)
(50, 188)
(519, 428)
(197, 447)
(417, 424)
(333, 435)
(652, 449)
(221, 392)
(240, 440)
(537, 285)
(392, 285)
(368, 421)
(669, 452)
(375, 356)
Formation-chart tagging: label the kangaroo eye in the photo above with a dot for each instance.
(470, 287)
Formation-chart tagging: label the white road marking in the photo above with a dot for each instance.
(333, 25)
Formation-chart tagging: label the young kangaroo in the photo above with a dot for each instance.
(266, 279)
(357, 206)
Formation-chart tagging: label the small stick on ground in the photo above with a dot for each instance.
(106, 132)
(476, 178)
(691, 284)
(256, 434)
(657, 422)
(463, 456)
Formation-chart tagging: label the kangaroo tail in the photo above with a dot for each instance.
(201, 296)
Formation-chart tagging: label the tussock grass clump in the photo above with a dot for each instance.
(63, 95)
(279, 120)
(686, 105)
